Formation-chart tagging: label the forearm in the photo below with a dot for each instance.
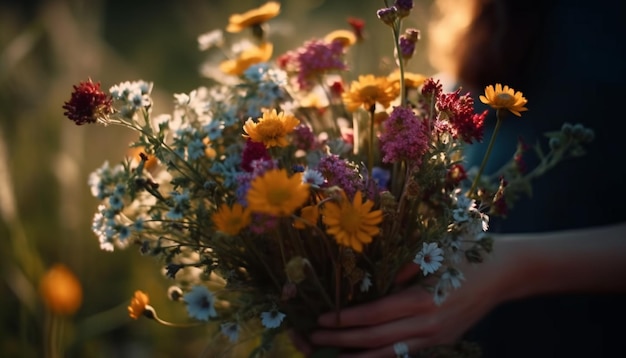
(576, 261)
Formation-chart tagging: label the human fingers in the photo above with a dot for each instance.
(379, 336)
(406, 273)
(409, 301)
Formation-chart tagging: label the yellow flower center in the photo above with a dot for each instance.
(235, 221)
(350, 220)
(505, 99)
(270, 129)
(370, 93)
(278, 196)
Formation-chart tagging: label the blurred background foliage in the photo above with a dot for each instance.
(45, 204)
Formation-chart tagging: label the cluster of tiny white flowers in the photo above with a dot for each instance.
(132, 96)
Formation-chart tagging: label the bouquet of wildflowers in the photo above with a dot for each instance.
(283, 191)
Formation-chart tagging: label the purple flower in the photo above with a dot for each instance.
(404, 137)
(407, 48)
(314, 58)
(403, 7)
(341, 173)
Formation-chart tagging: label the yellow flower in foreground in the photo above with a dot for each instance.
(138, 304)
(61, 291)
(368, 91)
(247, 58)
(352, 224)
(238, 22)
(346, 37)
(412, 80)
(504, 98)
(271, 129)
(231, 220)
(275, 193)
(309, 215)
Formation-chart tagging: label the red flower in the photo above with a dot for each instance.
(88, 103)
(357, 27)
(463, 122)
(456, 174)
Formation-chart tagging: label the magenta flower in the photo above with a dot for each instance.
(315, 58)
(460, 119)
(404, 137)
(337, 171)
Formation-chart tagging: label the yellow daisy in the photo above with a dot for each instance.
(368, 91)
(352, 224)
(276, 194)
(271, 129)
(238, 22)
(346, 37)
(138, 304)
(504, 98)
(309, 215)
(412, 80)
(231, 220)
(247, 58)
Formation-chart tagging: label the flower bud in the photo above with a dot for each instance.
(295, 269)
(388, 15)
(403, 7)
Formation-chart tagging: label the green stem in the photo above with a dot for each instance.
(370, 154)
(396, 40)
(499, 116)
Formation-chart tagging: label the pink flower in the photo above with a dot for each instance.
(337, 171)
(404, 137)
(315, 58)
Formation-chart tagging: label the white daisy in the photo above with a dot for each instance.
(429, 258)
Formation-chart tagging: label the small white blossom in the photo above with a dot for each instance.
(230, 330)
(453, 277)
(210, 39)
(366, 282)
(272, 319)
(429, 258)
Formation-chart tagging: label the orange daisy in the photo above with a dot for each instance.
(347, 38)
(353, 224)
(238, 22)
(138, 304)
(231, 220)
(247, 58)
(504, 98)
(369, 90)
(271, 129)
(276, 194)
